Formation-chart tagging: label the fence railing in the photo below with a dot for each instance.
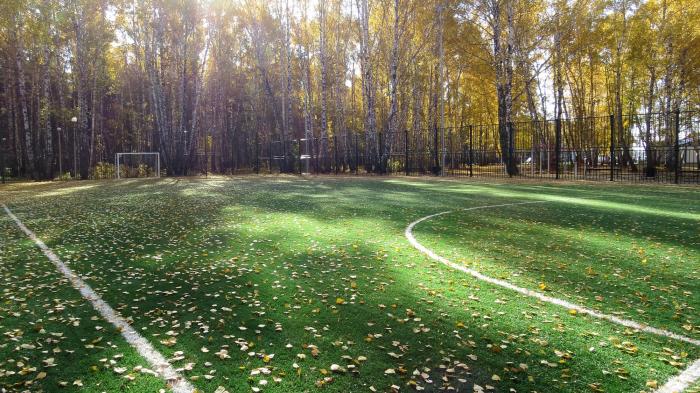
(657, 147)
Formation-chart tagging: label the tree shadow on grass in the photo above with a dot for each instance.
(579, 268)
(194, 249)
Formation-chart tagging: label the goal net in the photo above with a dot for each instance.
(144, 164)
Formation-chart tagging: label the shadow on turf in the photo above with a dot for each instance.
(391, 205)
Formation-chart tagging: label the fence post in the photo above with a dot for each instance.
(2, 160)
(269, 157)
(532, 151)
(382, 166)
(285, 159)
(557, 147)
(443, 150)
(357, 156)
(301, 170)
(471, 150)
(335, 153)
(511, 147)
(405, 143)
(612, 147)
(436, 168)
(676, 147)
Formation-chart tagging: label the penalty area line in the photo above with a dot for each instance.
(157, 361)
(674, 385)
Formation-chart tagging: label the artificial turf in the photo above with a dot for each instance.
(302, 284)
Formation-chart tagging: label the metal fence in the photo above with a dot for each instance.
(658, 147)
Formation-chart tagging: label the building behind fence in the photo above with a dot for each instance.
(659, 147)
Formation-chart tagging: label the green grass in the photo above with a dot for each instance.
(695, 388)
(642, 264)
(51, 337)
(320, 268)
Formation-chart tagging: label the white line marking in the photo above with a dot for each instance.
(161, 366)
(674, 385)
(683, 380)
(528, 292)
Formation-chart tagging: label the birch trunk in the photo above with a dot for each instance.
(621, 134)
(504, 80)
(339, 91)
(324, 135)
(44, 117)
(198, 83)
(417, 117)
(152, 41)
(80, 134)
(439, 90)
(28, 150)
(308, 117)
(650, 158)
(511, 164)
(393, 91)
(287, 96)
(370, 125)
(93, 122)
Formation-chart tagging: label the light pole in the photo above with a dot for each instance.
(2, 159)
(60, 154)
(207, 152)
(183, 165)
(74, 120)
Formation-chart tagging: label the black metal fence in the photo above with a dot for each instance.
(658, 147)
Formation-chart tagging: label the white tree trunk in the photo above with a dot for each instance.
(44, 115)
(324, 79)
(287, 97)
(393, 88)
(368, 87)
(21, 85)
(440, 82)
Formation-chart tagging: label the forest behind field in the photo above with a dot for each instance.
(81, 80)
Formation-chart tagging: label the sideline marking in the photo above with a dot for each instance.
(683, 380)
(159, 364)
(674, 385)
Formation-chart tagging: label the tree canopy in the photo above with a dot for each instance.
(181, 77)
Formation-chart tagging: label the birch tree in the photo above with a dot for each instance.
(370, 117)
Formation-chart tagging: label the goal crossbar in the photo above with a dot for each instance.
(117, 159)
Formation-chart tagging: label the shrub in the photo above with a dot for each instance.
(103, 170)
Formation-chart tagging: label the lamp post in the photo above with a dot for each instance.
(74, 120)
(206, 155)
(2, 159)
(60, 153)
(181, 165)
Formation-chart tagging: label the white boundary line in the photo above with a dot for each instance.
(674, 385)
(683, 380)
(161, 366)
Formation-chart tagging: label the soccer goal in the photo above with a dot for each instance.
(142, 164)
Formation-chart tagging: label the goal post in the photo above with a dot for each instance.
(120, 158)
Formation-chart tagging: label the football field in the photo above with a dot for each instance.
(292, 284)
